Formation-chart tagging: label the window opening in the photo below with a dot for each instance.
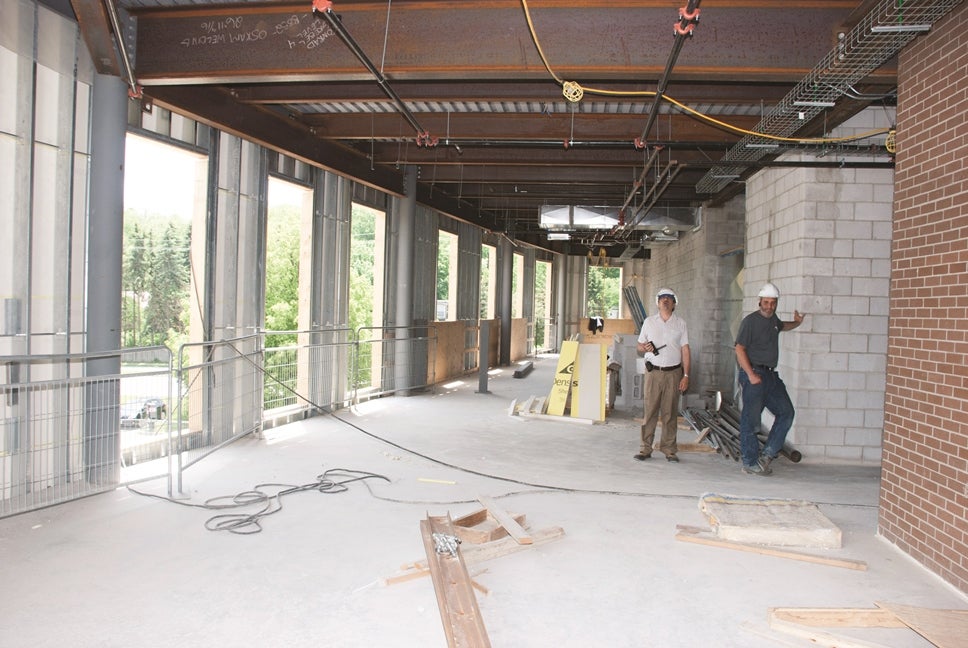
(542, 307)
(288, 205)
(603, 293)
(446, 277)
(366, 291)
(488, 280)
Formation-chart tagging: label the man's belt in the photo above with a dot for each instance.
(764, 368)
(649, 367)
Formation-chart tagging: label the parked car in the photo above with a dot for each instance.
(144, 415)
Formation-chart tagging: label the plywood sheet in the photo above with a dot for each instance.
(943, 628)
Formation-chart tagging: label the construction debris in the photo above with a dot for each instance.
(459, 612)
(769, 521)
(478, 526)
(943, 628)
(535, 407)
(448, 557)
(703, 536)
(484, 534)
(719, 428)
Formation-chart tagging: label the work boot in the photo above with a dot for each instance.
(765, 462)
(755, 469)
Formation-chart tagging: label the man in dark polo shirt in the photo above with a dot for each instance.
(757, 353)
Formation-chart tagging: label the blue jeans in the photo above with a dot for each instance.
(771, 394)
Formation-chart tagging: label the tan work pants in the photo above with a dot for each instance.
(661, 400)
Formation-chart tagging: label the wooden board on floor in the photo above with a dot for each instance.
(820, 637)
(474, 554)
(503, 518)
(459, 612)
(838, 617)
(697, 537)
(943, 628)
(478, 526)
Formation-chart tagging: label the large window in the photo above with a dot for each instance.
(542, 307)
(288, 205)
(604, 292)
(160, 196)
(488, 280)
(517, 294)
(366, 289)
(446, 276)
(283, 247)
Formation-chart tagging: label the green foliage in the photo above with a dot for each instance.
(362, 263)
(540, 305)
(443, 265)
(603, 291)
(155, 279)
(283, 239)
(486, 262)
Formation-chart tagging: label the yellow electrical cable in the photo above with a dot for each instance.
(574, 91)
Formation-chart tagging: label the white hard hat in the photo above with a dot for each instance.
(770, 291)
(665, 291)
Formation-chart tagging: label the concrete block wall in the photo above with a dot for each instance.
(725, 231)
(924, 484)
(697, 268)
(822, 235)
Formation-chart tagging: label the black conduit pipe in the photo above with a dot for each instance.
(337, 26)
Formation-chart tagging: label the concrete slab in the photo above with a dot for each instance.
(119, 569)
(779, 522)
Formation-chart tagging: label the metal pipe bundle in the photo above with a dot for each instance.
(720, 429)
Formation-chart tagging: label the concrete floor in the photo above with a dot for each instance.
(122, 569)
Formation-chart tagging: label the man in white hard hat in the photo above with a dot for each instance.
(757, 353)
(664, 340)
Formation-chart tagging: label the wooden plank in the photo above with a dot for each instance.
(819, 637)
(693, 447)
(459, 613)
(409, 575)
(838, 617)
(474, 517)
(943, 628)
(510, 525)
(474, 554)
(479, 526)
(698, 538)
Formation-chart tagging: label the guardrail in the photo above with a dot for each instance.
(74, 425)
(71, 424)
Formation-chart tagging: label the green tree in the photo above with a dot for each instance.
(362, 262)
(362, 252)
(283, 239)
(155, 278)
(443, 266)
(540, 307)
(486, 262)
(167, 286)
(134, 281)
(602, 291)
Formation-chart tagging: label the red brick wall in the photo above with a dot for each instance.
(924, 485)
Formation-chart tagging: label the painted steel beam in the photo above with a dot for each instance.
(591, 41)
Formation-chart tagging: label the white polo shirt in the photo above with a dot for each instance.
(672, 333)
